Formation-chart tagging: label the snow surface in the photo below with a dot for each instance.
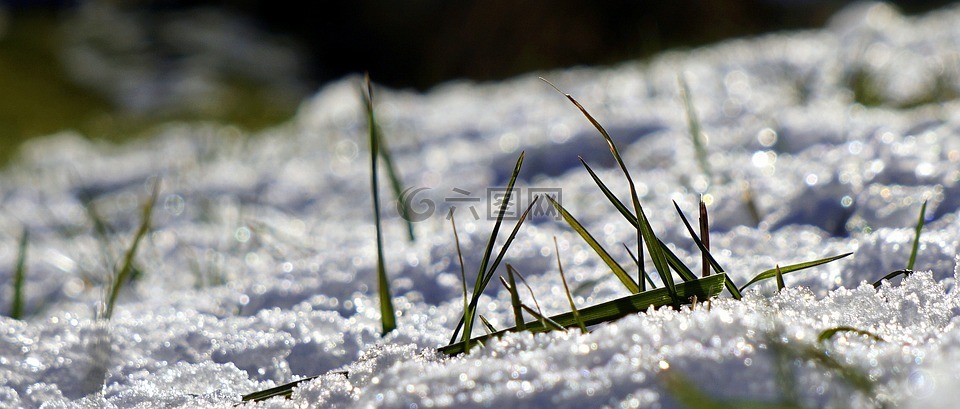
(261, 265)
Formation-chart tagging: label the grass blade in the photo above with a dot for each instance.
(916, 239)
(703, 289)
(826, 334)
(515, 299)
(395, 183)
(123, 274)
(582, 231)
(704, 250)
(791, 268)
(705, 236)
(644, 230)
(643, 273)
(905, 273)
(780, 284)
(489, 327)
(566, 288)
(19, 276)
(693, 124)
(463, 273)
(388, 317)
(285, 390)
(545, 321)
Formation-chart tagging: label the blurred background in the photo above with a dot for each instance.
(115, 69)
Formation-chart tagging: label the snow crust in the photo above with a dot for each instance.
(261, 266)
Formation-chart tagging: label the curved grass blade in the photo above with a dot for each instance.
(566, 288)
(791, 268)
(644, 230)
(388, 317)
(123, 275)
(916, 239)
(610, 262)
(19, 276)
(826, 334)
(545, 321)
(905, 273)
(703, 289)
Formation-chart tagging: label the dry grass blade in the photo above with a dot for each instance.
(487, 325)
(19, 276)
(791, 268)
(826, 334)
(704, 235)
(916, 239)
(644, 230)
(388, 317)
(703, 289)
(704, 250)
(780, 284)
(123, 274)
(566, 289)
(595, 245)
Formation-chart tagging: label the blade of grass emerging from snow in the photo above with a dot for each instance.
(643, 273)
(916, 239)
(703, 289)
(705, 236)
(892, 275)
(19, 276)
(566, 289)
(791, 268)
(387, 316)
(693, 124)
(123, 274)
(595, 245)
(826, 334)
(644, 230)
(515, 299)
(377, 133)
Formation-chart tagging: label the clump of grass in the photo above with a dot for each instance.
(19, 277)
(387, 315)
(126, 268)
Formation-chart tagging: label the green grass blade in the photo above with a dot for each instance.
(545, 321)
(892, 275)
(490, 328)
(791, 268)
(395, 183)
(704, 250)
(610, 262)
(463, 273)
(703, 289)
(644, 230)
(387, 315)
(19, 276)
(826, 334)
(780, 284)
(693, 124)
(514, 299)
(285, 390)
(566, 289)
(916, 239)
(643, 273)
(123, 274)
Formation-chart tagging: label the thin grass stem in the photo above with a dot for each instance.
(566, 289)
(19, 277)
(123, 274)
(916, 239)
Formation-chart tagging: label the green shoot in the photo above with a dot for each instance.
(19, 276)
(826, 334)
(595, 245)
(705, 236)
(916, 239)
(693, 124)
(905, 273)
(780, 284)
(791, 268)
(395, 183)
(514, 299)
(644, 230)
(703, 289)
(388, 317)
(566, 288)
(123, 274)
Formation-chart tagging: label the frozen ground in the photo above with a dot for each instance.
(261, 265)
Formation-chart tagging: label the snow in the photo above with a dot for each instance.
(261, 265)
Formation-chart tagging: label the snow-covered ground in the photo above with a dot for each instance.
(261, 265)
